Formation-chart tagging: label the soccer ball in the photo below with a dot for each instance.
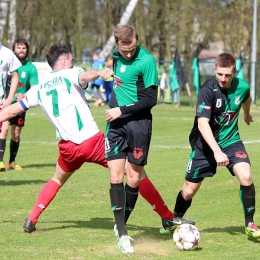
(186, 237)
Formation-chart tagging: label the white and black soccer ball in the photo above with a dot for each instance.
(186, 237)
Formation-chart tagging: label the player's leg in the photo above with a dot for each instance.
(3, 135)
(198, 167)
(184, 197)
(247, 196)
(14, 147)
(46, 195)
(117, 193)
(149, 192)
(116, 147)
(131, 188)
(69, 161)
(118, 201)
(239, 165)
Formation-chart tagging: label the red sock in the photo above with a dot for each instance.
(151, 194)
(45, 197)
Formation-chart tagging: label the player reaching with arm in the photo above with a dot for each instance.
(215, 139)
(61, 96)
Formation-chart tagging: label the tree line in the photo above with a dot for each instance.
(163, 25)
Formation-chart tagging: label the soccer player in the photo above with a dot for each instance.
(129, 127)
(215, 139)
(61, 95)
(28, 77)
(8, 64)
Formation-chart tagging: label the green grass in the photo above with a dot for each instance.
(78, 224)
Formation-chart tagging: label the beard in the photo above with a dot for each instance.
(22, 56)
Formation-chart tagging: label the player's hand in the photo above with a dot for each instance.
(5, 103)
(248, 119)
(19, 96)
(105, 74)
(221, 158)
(112, 114)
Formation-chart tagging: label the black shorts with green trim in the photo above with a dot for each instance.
(203, 164)
(129, 137)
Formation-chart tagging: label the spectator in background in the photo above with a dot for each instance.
(163, 87)
(28, 77)
(94, 88)
(108, 84)
(8, 64)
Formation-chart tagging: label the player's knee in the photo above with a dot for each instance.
(133, 181)
(188, 191)
(187, 194)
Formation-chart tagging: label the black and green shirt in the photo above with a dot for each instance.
(221, 106)
(132, 79)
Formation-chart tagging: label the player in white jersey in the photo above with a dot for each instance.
(61, 96)
(9, 63)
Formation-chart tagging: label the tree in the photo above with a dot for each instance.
(124, 20)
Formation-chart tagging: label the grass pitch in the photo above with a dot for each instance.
(78, 224)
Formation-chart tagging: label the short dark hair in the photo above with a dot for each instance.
(22, 41)
(226, 60)
(125, 34)
(55, 52)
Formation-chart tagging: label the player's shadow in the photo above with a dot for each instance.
(106, 224)
(20, 182)
(39, 165)
(233, 230)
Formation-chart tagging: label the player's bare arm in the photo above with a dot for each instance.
(11, 111)
(13, 88)
(246, 107)
(205, 130)
(92, 75)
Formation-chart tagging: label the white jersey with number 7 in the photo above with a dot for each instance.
(63, 100)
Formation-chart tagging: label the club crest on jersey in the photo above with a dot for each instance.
(237, 100)
(219, 102)
(117, 82)
(123, 68)
(23, 74)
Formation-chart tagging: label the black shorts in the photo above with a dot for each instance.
(18, 120)
(203, 164)
(129, 137)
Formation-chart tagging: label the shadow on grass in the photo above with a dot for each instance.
(106, 224)
(38, 165)
(20, 182)
(235, 230)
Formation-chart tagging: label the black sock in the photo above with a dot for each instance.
(131, 198)
(14, 146)
(181, 205)
(247, 197)
(2, 149)
(117, 198)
